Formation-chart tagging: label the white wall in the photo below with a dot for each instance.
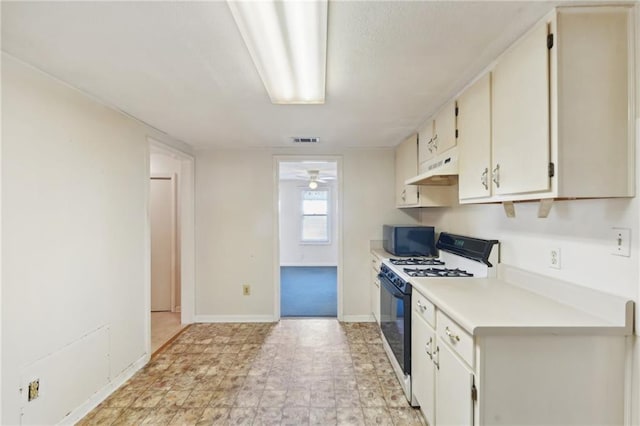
(235, 235)
(162, 164)
(292, 251)
(75, 259)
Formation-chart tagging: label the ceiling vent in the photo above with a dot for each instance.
(305, 140)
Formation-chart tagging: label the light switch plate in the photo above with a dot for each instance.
(621, 241)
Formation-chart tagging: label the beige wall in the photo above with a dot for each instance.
(75, 246)
(235, 235)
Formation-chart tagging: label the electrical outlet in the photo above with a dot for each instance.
(246, 290)
(621, 239)
(34, 390)
(554, 258)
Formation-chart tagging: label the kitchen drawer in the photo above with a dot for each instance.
(424, 308)
(456, 337)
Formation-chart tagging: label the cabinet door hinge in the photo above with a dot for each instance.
(474, 392)
(549, 41)
(552, 170)
(457, 110)
(456, 133)
(418, 194)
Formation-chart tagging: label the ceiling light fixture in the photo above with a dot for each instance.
(287, 41)
(313, 178)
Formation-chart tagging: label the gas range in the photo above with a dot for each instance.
(460, 256)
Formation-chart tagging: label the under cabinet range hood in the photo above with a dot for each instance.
(440, 170)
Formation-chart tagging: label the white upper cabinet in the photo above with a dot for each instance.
(560, 113)
(438, 135)
(407, 196)
(474, 140)
(592, 134)
(425, 147)
(406, 167)
(444, 128)
(520, 120)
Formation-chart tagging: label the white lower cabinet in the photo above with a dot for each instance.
(454, 404)
(441, 382)
(375, 287)
(513, 378)
(422, 367)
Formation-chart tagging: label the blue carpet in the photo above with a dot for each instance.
(308, 291)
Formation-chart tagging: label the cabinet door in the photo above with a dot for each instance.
(444, 128)
(426, 149)
(422, 367)
(406, 167)
(454, 405)
(375, 297)
(474, 140)
(520, 118)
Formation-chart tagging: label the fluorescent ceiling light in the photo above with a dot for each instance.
(287, 40)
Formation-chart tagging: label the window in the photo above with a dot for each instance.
(315, 216)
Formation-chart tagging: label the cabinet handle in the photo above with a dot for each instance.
(436, 357)
(404, 196)
(452, 336)
(485, 178)
(421, 307)
(496, 175)
(430, 145)
(427, 348)
(435, 143)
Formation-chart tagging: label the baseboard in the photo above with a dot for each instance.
(233, 318)
(358, 318)
(91, 403)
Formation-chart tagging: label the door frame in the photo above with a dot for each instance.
(172, 178)
(186, 186)
(277, 159)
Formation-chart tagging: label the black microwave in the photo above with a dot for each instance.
(405, 240)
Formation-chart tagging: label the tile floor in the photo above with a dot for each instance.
(295, 372)
(164, 325)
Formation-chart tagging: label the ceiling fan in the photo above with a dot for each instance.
(315, 177)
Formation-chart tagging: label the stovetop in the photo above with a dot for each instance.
(437, 272)
(460, 257)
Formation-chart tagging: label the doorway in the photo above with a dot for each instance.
(170, 235)
(165, 260)
(308, 228)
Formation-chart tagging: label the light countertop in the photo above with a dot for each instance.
(493, 306)
(489, 306)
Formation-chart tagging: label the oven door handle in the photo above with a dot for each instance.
(390, 287)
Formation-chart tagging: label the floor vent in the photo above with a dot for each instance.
(305, 140)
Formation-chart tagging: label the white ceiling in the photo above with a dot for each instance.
(299, 170)
(182, 66)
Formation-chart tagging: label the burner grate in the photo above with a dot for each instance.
(437, 272)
